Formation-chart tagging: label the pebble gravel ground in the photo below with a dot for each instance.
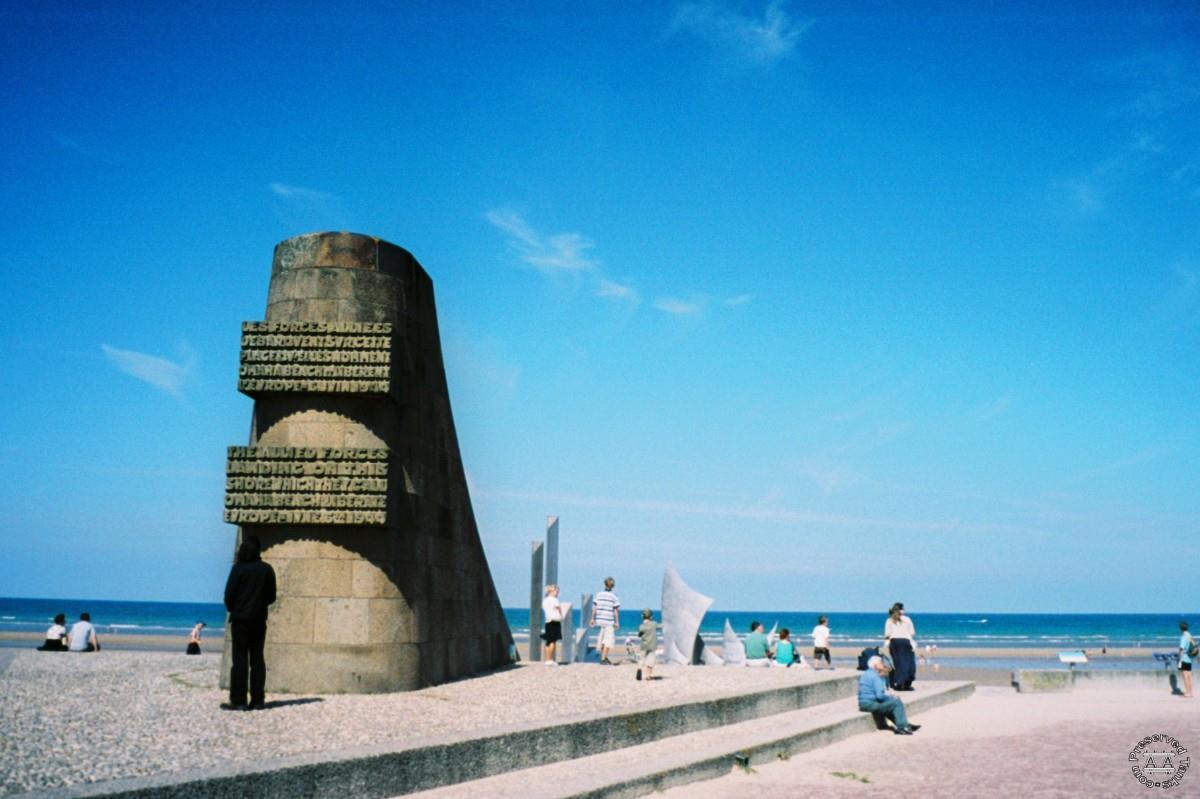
(70, 718)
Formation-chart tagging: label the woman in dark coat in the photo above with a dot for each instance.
(901, 640)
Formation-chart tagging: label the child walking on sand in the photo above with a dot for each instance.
(648, 632)
(820, 636)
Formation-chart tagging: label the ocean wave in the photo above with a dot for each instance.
(999, 637)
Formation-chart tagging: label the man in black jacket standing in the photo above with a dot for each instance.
(249, 591)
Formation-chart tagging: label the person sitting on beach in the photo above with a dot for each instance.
(193, 646)
(1187, 654)
(56, 636)
(648, 633)
(552, 632)
(785, 651)
(820, 636)
(82, 637)
(606, 613)
(758, 649)
(873, 697)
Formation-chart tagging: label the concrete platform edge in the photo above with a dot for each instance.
(387, 770)
(719, 766)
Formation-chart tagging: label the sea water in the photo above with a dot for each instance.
(981, 630)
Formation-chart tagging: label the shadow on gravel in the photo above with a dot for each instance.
(285, 702)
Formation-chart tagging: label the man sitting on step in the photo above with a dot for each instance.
(874, 698)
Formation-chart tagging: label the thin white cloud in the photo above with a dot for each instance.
(290, 192)
(481, 364)
(828, 477)
(1081, 196)
(86, 150)
(558, 252)
(678, 307)
(1156, 84)
(1166, 445)
(616, 291)
(767, 513)
(1181, 174)
(1190, 277)
(740, 299)
(1147, 143)
(163, 374)
(758, 40)
(992, 409)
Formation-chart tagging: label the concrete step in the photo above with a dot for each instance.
(678, 760)
(390, 769)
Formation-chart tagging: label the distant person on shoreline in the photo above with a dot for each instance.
(249, 591)
(1188, 652)
(900, 639)
(56, 636)
(606, 614)
(648, 633)
(82, 637)
(758, 649)
(552, 632)
(874, 698)
(820, 636)
(193, 646)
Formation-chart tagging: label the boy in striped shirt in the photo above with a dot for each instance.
(605, 607)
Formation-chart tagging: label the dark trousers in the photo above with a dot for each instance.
(248, 640)
(891, 708)
(904, 664)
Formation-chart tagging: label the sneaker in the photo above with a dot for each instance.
(914, 727)
(550, 663)
(904, 731)
(232, 706)
(638, 676)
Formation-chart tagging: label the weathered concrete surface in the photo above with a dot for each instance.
(1029, 681)
(389, 769)
(652, 767)
(579, 652)
(552, 550)
(536, 560)
(375, 608)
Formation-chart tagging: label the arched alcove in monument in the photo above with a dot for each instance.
(353, 479)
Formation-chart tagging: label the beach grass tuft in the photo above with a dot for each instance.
(850, 775)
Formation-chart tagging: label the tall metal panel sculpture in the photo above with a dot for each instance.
(683, 609)
(353, 479)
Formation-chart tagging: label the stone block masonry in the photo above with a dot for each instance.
(353, 480)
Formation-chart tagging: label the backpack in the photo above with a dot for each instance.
(1193, 648)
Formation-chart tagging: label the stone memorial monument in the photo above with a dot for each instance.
(353, 479)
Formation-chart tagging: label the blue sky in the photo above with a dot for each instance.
(827, 304)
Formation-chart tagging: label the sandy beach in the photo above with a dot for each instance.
(997, 743)
(949, 662)
(162, 643)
